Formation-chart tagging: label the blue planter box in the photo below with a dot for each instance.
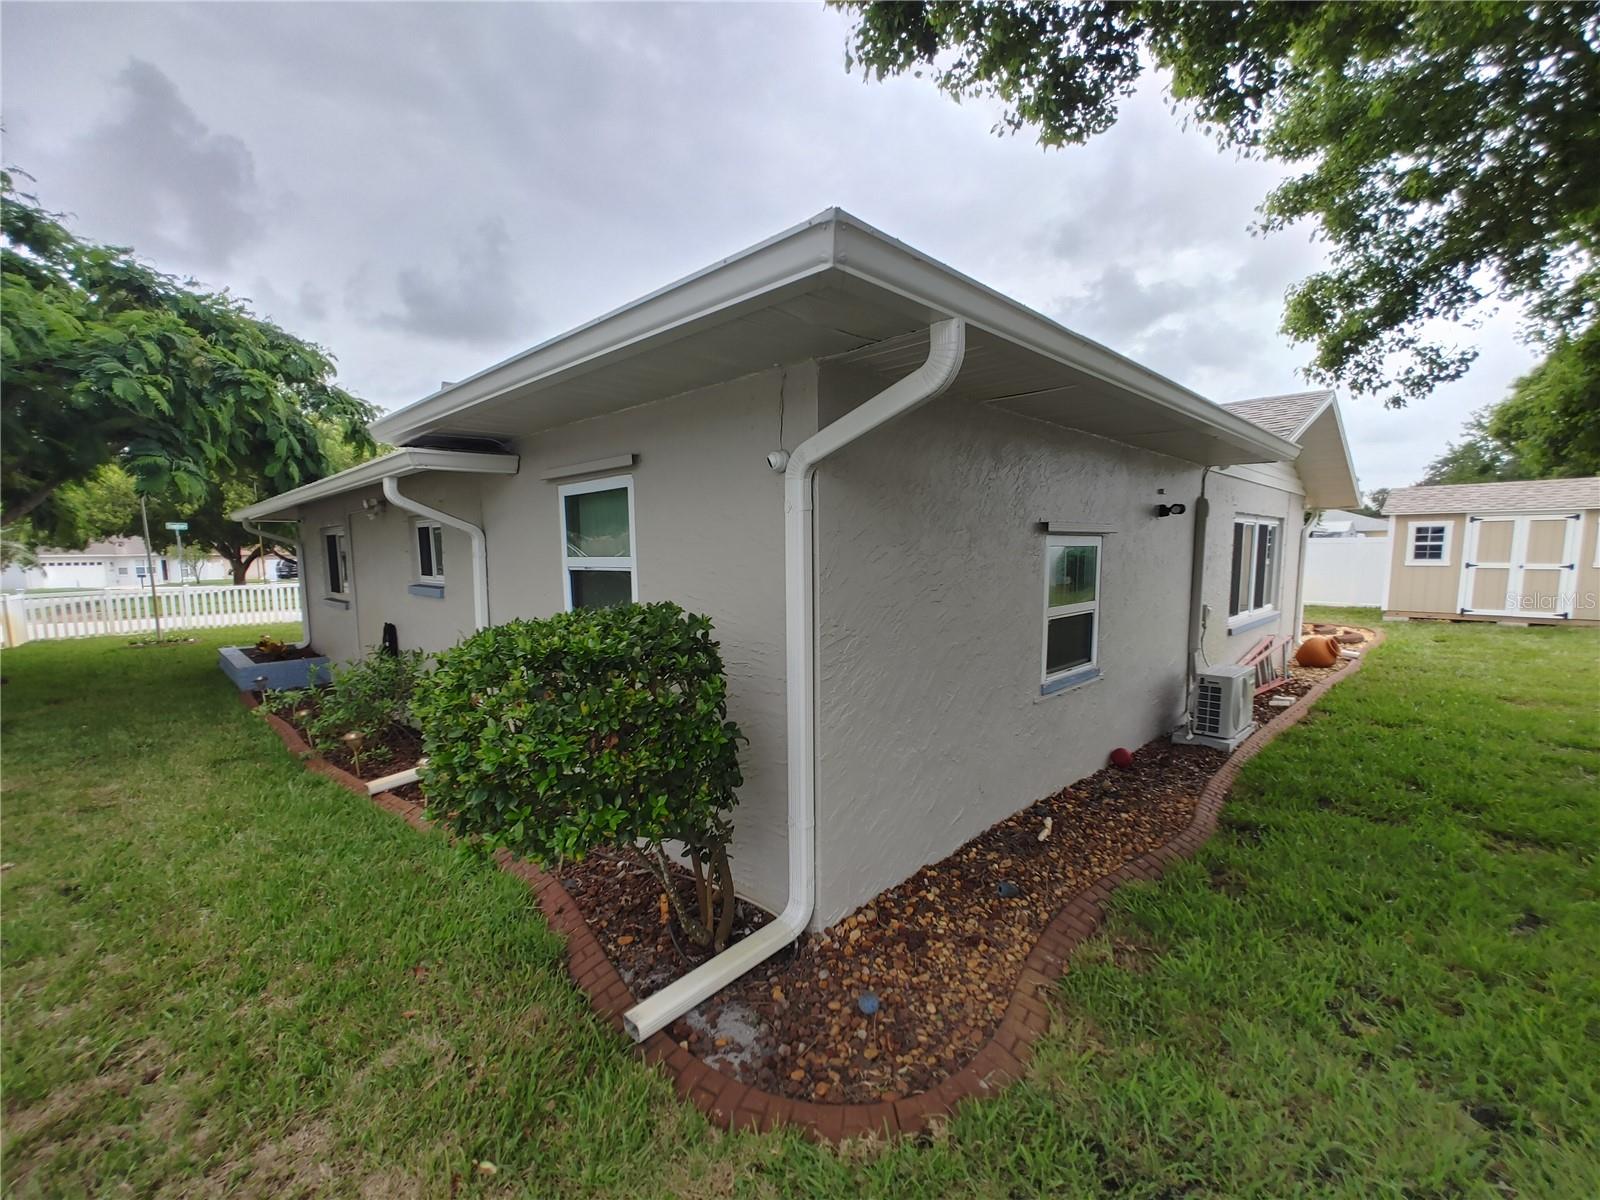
(280, 676)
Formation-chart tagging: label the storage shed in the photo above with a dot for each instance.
(1521, 552)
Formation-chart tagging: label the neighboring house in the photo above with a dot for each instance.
(1513, 552)
(954, 552)
(121, 563)
(1339, 523)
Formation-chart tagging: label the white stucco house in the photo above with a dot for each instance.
(954, 552)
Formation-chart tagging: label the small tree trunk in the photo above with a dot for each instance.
(725, 886)
(661, 869)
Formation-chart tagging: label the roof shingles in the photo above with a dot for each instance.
(1522, 495)
(1282, 415)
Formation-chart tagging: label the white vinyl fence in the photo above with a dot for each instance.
(91, 614)
(1346, 570)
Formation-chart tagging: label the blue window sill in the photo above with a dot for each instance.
(335, 602)
(1073, 679)
(434, 591)
(1270, 618)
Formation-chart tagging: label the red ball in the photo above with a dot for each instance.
(1122, 758)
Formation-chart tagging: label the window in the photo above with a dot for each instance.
(1427, 544)
(336, 548)
(430, 551)
(1071, 607)
(1253, 590)
(597, 554)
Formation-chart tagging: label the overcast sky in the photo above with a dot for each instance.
(425, 189)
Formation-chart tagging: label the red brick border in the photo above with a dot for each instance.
(1003, 1059)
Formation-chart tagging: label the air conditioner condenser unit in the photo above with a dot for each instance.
(1222, 712)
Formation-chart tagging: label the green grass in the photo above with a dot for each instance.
(226, 975)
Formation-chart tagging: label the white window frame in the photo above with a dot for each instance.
(1086, 670)
(1445, 546)
(570, 564)
(1274, 590)
(435, 549)
(345, 566)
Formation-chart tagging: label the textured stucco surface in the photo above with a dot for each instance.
(930, 566)
(383, 564)
(710, 537)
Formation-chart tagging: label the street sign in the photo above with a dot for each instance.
(177, 526)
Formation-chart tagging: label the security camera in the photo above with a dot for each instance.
(1171, 510)
(778, 460)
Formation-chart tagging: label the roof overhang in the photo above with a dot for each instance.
(406, 461)
(828, 287)
(1326, 469)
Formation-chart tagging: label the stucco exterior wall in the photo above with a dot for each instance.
(709, 516)
(932, 725)
(1270, 490)
(383, 566)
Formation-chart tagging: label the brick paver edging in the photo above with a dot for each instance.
(735, 1105)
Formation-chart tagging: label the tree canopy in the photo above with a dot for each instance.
(108, 360)
(1446, 151)
(1547, 428)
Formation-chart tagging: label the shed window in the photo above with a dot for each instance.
(598, 564)
(430, 551)
(336, 549)
(1428, 545)
(1253, 590)
(1071, 605)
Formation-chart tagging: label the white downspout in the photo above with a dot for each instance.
(480, 545)
(946, 349)
(259, 534)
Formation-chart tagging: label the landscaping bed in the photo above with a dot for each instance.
(940, 953)
(391, 749)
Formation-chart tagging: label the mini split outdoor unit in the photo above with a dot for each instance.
(1222, 713)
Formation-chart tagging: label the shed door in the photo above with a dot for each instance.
(1521, 566)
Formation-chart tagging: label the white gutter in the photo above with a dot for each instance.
(947, 343)
(480, 544)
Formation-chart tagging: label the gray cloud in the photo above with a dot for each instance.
(194, 189)
(311, 155)
(473, 299)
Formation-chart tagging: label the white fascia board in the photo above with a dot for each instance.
(788, 258)
(831, 241)
(407, 461)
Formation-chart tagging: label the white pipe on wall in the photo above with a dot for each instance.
(946, 349)
(480, 545)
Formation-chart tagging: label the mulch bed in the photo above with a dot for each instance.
(941, 953)
(393, 750)
(899, 996)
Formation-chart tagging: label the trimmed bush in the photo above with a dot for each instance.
(600, 727)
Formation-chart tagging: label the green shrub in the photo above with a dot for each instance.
(367, 698)
(600, 727)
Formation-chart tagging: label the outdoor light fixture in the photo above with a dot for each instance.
(1171, 510)
(374, 507)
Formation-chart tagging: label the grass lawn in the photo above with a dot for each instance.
(223, 974)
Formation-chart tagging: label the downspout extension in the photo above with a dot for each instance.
(947, 343)
(480, 545)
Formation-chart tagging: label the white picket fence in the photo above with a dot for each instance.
(1346, 570)
(93, 614)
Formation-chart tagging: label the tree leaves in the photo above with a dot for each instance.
(1446, 151)
(107, 360)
